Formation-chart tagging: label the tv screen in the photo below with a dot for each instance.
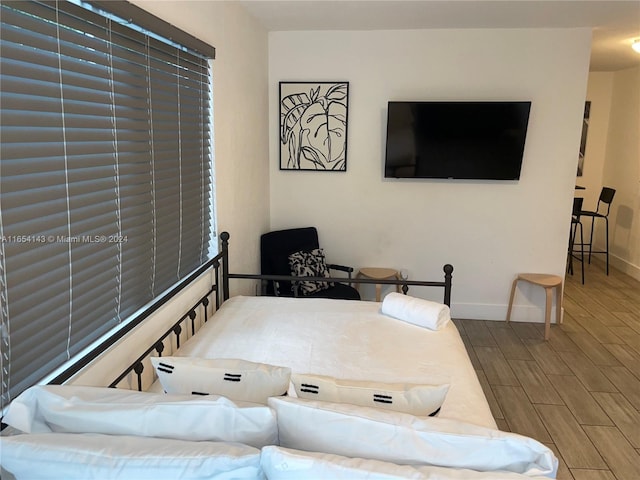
(460, 140)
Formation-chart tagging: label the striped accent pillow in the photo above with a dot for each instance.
(421, 400)
(232, 378)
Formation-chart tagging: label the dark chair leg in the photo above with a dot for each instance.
(591, 238)
(606, 220)
(572, 242)
(581, 251)
(606, 239)
(572, 238)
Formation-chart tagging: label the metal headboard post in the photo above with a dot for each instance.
(224, 237)
(448, 270)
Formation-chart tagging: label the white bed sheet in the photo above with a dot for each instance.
(344, 339)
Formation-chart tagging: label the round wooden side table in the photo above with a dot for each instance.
(376, 273)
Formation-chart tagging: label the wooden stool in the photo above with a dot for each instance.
(378, 274)
(549, 282)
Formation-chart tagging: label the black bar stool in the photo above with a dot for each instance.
(606, 197)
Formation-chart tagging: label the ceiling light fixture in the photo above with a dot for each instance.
(636, 45)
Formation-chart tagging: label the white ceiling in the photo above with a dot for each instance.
(615, 23)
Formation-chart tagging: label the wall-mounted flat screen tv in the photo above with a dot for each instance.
(459, 140)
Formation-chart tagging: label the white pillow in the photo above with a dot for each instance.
(286, 464)
(354, 431)
(73, 409)
(401, 397)
(233, 378)
(81, 456)
(420, 312)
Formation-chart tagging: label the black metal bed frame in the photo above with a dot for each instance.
(219, 293)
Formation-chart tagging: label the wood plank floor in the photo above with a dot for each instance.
(578, 393)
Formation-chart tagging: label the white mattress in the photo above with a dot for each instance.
(344, 339)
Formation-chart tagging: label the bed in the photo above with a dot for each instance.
(281, 388)
(343, 339)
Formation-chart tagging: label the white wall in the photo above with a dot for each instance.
(489, 231)
(612, 159)
(622, 172)
(599, 92)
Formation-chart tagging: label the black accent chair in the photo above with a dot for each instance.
(575, 225)
(275, 248)
(606, 197)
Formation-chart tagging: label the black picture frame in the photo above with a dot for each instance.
(583, 138)
(313, 126)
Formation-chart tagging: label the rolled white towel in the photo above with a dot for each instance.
(424, 313)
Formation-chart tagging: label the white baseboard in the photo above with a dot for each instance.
(519, 313)
(625, 266)
(531, 312)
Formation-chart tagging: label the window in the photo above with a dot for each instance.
(105, 177)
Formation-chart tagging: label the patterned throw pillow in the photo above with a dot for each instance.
(310, 264)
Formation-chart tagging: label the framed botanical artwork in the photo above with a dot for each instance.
(313, 126)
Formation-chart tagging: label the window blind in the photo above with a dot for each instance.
(105, 179)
